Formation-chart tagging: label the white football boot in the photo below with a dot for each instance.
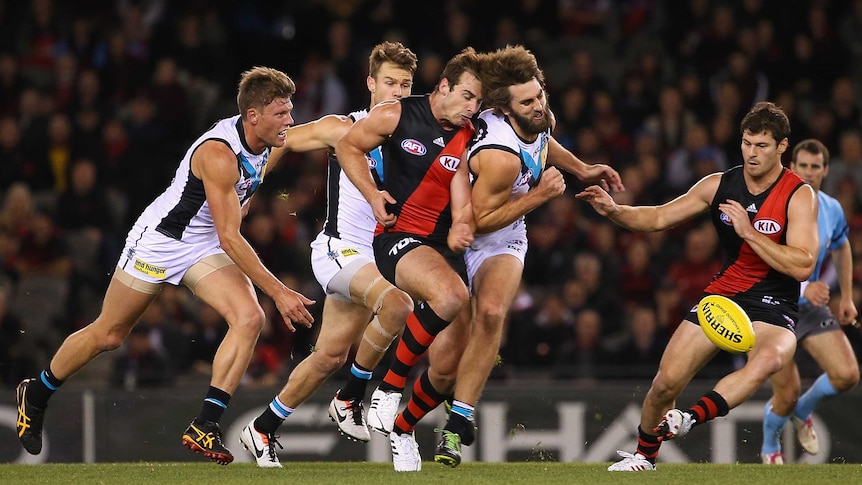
(382, 411)
(261, 445)
(806, 435)
(405, 452)
(631, 463)
(347, 415)
(675, 424)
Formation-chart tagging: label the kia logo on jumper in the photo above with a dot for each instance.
(450, 163)
(767, 226)
(414, 147)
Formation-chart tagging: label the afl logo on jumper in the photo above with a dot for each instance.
(767, 226)
(450, 163)
(725, 219)
(372, 163)
(413, 147)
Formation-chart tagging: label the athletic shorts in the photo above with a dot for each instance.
(511, 239)
(390, 247)
(330, 256)
(155, 258)
(814, 320)
(780, 314)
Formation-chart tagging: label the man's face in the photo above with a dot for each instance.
(391, 82)
(529, 108)
(462, 100)
(760, 152)
(810, 168)
(272, 122)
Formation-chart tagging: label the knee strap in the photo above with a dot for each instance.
(375, 324)
(379, 287)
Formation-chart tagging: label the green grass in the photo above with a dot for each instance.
(358, 473)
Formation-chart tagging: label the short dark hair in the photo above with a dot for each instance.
(814, 147)
(468, 60)
(766, 117)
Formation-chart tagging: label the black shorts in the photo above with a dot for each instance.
(762, 309)
(390, 247)
(814, 320)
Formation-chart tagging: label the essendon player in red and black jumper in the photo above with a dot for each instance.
(769, 295)
(425, 220)
(766, 218)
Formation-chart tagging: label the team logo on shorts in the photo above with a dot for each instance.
(150, 269)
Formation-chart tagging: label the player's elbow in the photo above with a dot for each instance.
(805, 269)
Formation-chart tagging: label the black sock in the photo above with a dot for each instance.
(356, 384)
(463, 427)
(710, 406)
(42, 388)
(215, 403)
(267, 422)
(648, 445)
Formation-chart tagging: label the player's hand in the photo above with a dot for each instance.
(292, 306)
(604, 175)
(817, 293)
(460, 237)
(378, 205)
(597, 197)
(738, 217)
(551, 184)
(847, 312)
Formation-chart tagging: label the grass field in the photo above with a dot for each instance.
(357, 473)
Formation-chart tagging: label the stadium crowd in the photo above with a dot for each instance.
(98, 98)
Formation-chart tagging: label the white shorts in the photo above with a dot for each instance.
(331, 256)
(508, 240)
(155, 258)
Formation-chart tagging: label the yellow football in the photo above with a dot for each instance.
(726, 324)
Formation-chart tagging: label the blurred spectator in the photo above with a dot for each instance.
(671, 122)
(584, 355)
(43, 251)
(15, 363)
(547, 332)
(139, 364)
(643, 344)
(846, 168)
(699, 264)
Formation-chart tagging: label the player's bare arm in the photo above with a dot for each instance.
(320, 134)
(843, 260)
(654, 218)
(461, 234)
(798, 256)
(600, 174)
(215, 164)
(493, 206)
(364, 136)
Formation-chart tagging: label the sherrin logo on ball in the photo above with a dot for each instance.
(726, 324)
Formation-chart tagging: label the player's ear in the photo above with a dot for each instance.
(782, 145)
(371, 84)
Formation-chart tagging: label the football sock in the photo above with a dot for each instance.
(463, 427)
(215, 403)
(463, 409)
(424, 399)
(710, 406)
(42, 388)
(356, 383)
(272, 417)
(818, 391)
(772, 426)
(648, 445)
(422, 326)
